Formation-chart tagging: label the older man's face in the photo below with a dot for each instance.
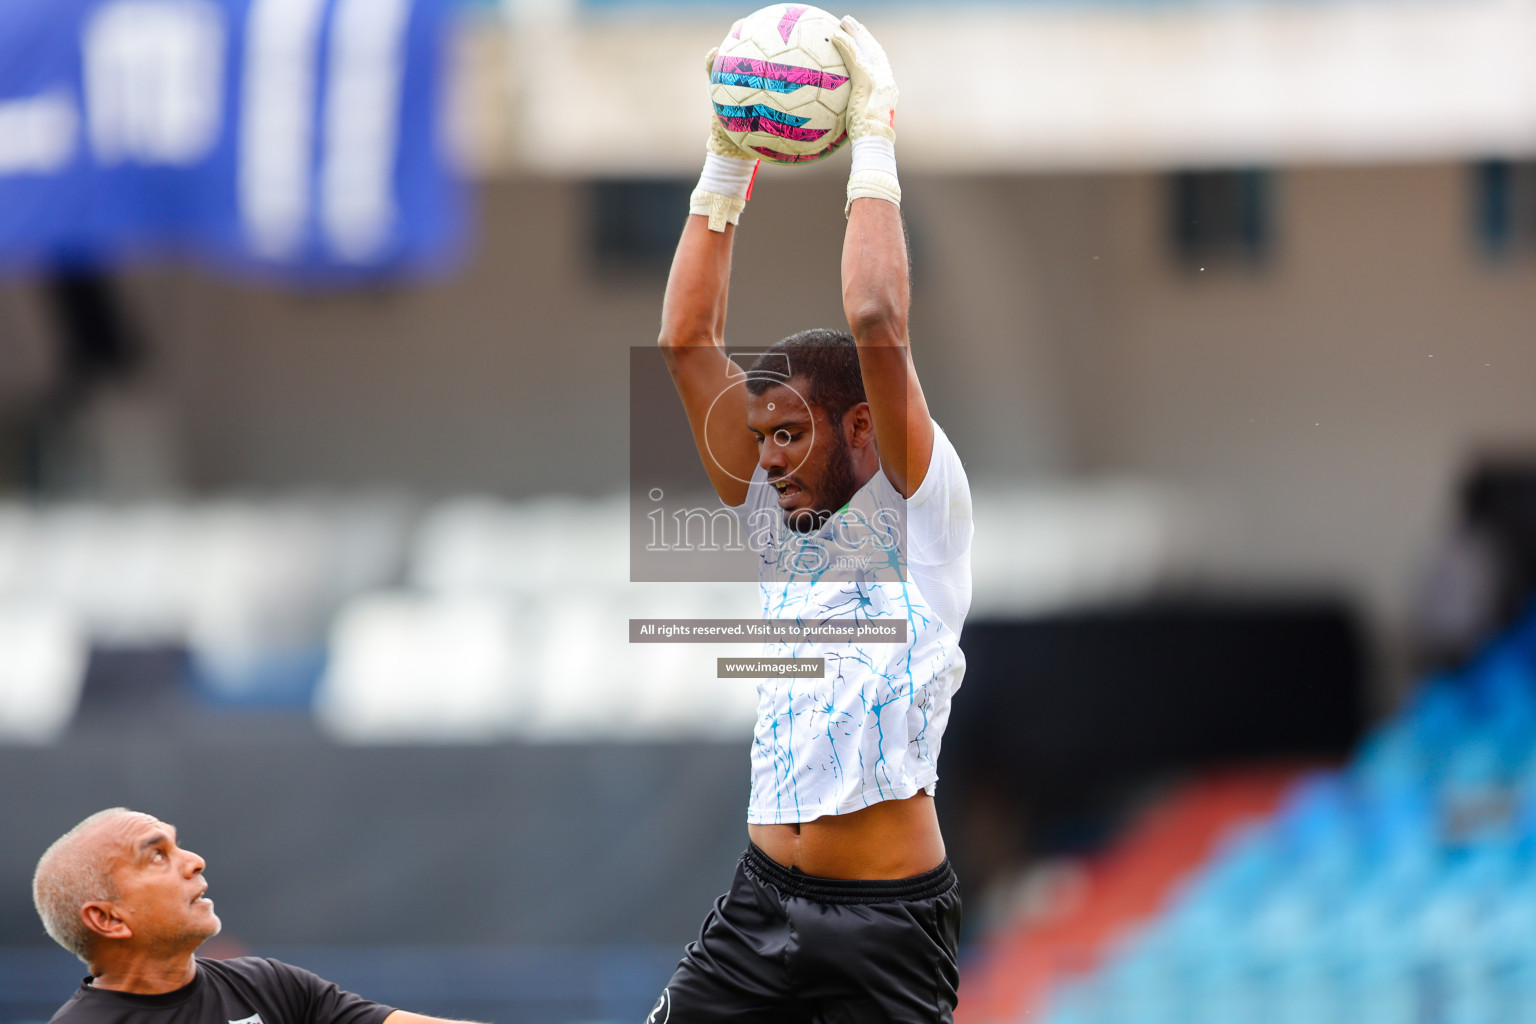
(161, 889)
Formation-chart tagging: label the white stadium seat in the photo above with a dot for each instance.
(683, 696)
(258, 591)
(515, 621)
(16, 546)
(562, 566)
(412, 668)
(1050, 548)
(43, 657)
(266, 579)
(521, 548)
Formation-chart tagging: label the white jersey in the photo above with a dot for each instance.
(869, 729)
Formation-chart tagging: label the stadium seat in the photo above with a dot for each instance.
(43, 657)
(266, 579)
(459, 545)
(411, 668)
(1399, 890)
(563, 565)
(521, 548)
(16, 546)
(683, 695)
(117, 569)
(1049, 548)
(248, 587)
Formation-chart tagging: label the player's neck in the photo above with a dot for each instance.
(145, 975)
(864, 471)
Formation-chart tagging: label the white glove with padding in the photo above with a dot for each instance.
(871, 115)
(726, 182)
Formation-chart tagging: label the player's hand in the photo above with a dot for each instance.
(872, 101)
(871, 115)
(726, 183)
(719, 142)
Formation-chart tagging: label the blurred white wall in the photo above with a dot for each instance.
(1030, 87)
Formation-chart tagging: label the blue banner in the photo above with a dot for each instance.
(297, 136)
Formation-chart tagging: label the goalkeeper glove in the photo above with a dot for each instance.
(726, 183)
(871, 115)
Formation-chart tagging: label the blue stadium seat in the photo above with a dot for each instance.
(1398, 890)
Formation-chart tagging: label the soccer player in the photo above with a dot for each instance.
(844, 906)
(120, 893)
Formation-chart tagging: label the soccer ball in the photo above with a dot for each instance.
(779, 86)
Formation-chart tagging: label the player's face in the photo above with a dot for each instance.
(805, 456)
(160, 886)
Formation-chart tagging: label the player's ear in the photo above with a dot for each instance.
(103, 920)
(859, 426)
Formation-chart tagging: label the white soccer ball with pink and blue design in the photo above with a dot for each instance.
(780, 87)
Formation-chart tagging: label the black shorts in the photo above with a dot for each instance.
(783, 947)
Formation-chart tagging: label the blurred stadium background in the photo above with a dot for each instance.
(314, 332)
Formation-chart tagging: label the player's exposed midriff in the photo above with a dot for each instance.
(891, 839)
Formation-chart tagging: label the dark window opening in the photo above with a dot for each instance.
(1505, 196)
(1221, 218)
(634, 225)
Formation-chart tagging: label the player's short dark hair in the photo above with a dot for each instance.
(827, 359)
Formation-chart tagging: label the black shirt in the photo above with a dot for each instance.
(248, 990)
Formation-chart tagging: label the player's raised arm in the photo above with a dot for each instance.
(693, 318)
(876, 278)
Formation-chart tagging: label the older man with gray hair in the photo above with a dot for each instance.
(120, 893)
